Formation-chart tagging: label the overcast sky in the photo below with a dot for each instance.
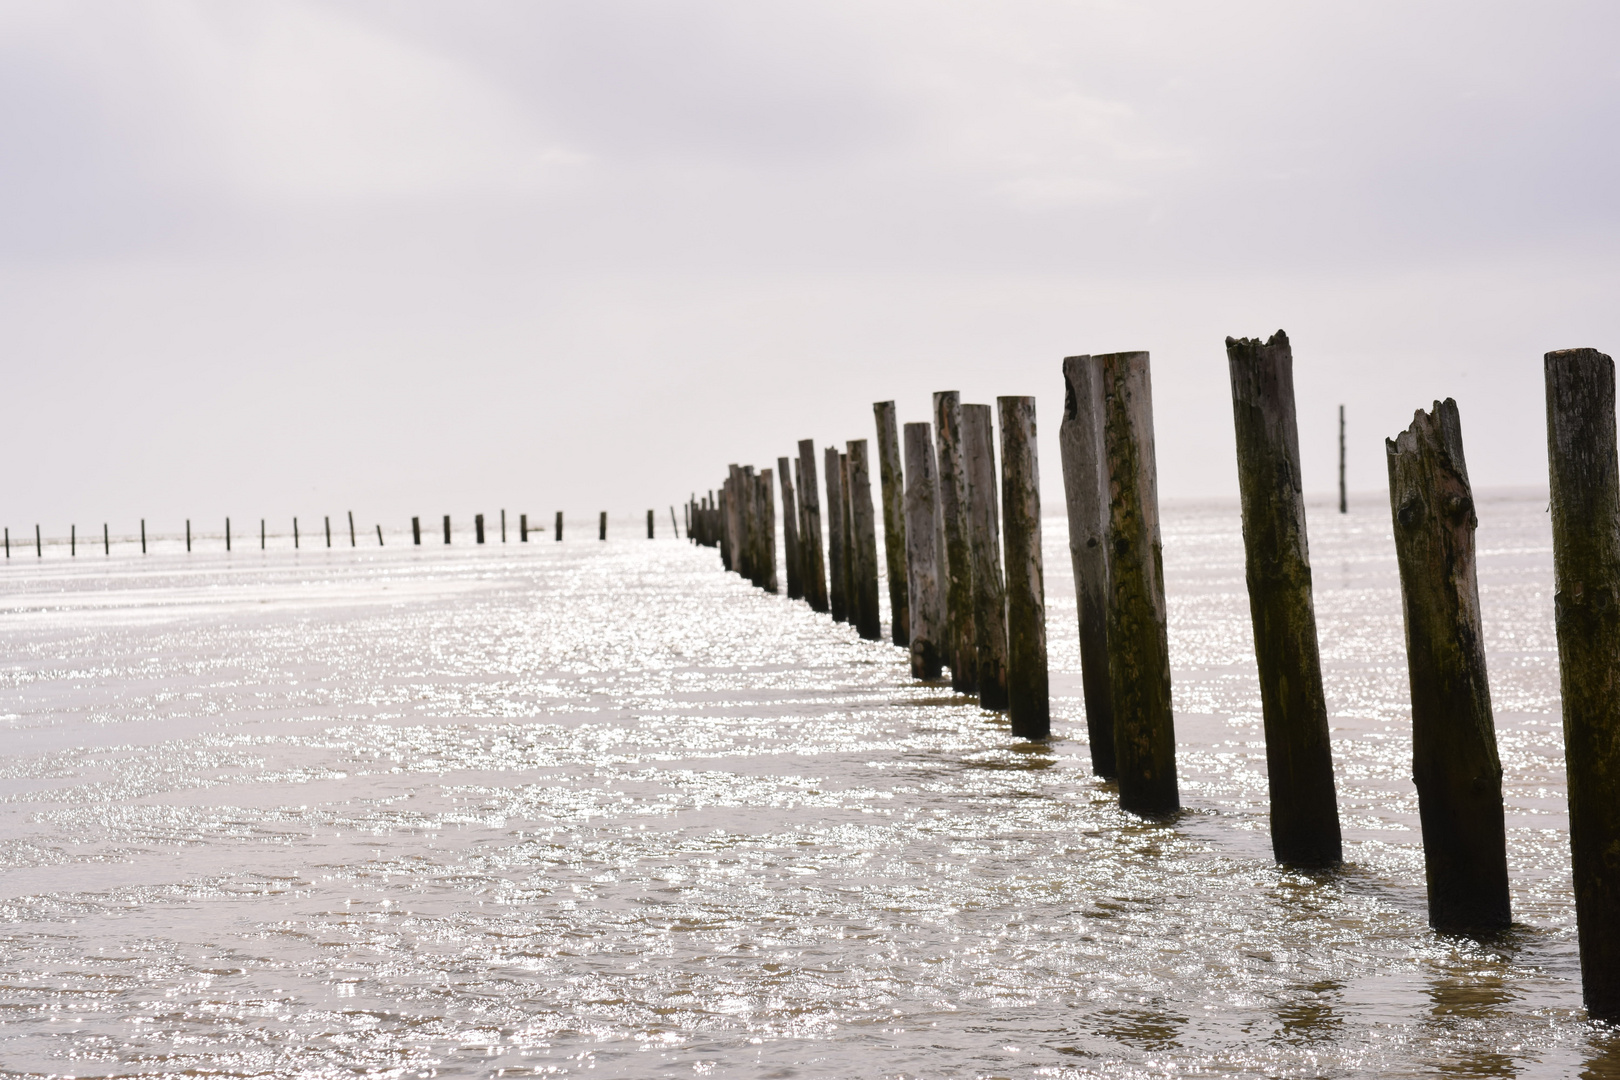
(296, 258)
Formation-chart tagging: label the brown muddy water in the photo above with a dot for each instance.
(599, 808)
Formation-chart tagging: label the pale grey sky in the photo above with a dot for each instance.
(276, 258)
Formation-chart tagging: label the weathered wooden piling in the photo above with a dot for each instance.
(188, 534)
(39, 545)
(790, 531)
(1138, 640)
(770, 582)
(601, 526)
(1029, 708)
(1585, 510)
(227, 533)
(352, 541)
(447, 528)
(984, 540)
(523, 528)
(1454, 761)
(8, 541)
(863, 543)
(503, 526)
(261, 534)
(732, 494)
(478, 528)
(416, 531)
(849, 538)
(1085, 491)
(1344, 498)
(815, 568)
(328, 530)
(295, 534)
(143, 536)
(891, 480)
(559, 526)
(649, 524)
(73, 540)
(674, 526)
(106, 537)
(752, 526)
(925, 577)
(963, 637)
(837, 572)
(379, 536)
(1299, 758)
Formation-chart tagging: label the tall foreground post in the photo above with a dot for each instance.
(767, 533)
(1028, 701)
(790, 531)
(958, 551)
(849, 539)
(837, 572)
(891, 478)
(1299, 760)
(924, 574)
(815, 569)
(1085, 492)
(1586, 601)
(1138, 640)
(863, 543)
(1454, 761)
(984, 535)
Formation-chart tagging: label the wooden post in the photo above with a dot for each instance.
(143, 536)
(503, 526)
(1454, 761)
(328, 530)
(837, 574)
(925, 579)
(1586, 570)
(1299, 759)
(352, 541)
(106, 538)
(8, 541)
(962, 637)
(39, 545)
(1344, 501)
(815, 569)
(1029, 706)
(722, 523)
(295, 534)
(1085, 491)
(523, 528)
(261, 534)
(1138, 641)
(790, 531)
(73, 540)
(188, 534)
(379, 536)
(767, 506)
(850, 612)
(650, 523)
(559, 527)
(416, 531)
(478, 528)
(863, 543)
(984, 540)
(891, 479)
(447, 528)
(601, 526)
(227, 534)
(733, 491)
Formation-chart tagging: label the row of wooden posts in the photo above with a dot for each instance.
(957, 602)
(524, 530)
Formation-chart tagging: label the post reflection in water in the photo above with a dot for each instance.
(602, 808)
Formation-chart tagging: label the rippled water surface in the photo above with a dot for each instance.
(553, 809)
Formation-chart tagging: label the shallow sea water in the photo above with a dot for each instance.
(554, 809)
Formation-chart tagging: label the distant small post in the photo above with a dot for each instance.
(261, 534)
(416, 531)
(1299, 759)
(188, 534)
(1586, 573)
(106, 539)
(523, 528)
(1454, 760)
(891, 481)
(1138, 628)
(295, 534)
(1085, 491)
(924, 576)
(39, 545)
(601, 526)
(559, 526)
(143, 536)
(447, 528)
(1029, 706)
(352, 541)
(674, 526)
(227, 534)
(503, 526)
(8, 541)
(379, 536)
(650, 524)
(1344, 499)
(478, 528)
(328, 530)
(73, 539)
